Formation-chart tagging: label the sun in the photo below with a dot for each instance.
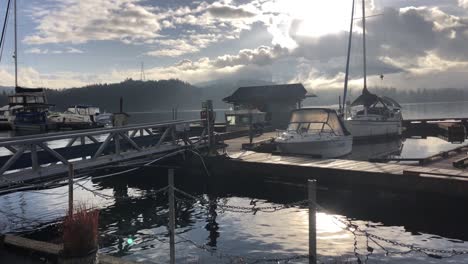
(321, 18)
(317, 18)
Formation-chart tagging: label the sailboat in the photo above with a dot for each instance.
(27, 107)
(369, 115)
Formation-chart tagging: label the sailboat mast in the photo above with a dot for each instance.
(348, 57)
(364, 42)
(16, 48)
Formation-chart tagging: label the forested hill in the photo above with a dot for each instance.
(146, 96)
(142, 96)
(137, 95)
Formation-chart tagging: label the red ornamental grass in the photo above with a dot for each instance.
(80, 232)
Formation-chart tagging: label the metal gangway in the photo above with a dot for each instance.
(45, 156)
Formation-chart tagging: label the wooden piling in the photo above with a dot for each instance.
(311, 184)
(171, 215)
(71, 174)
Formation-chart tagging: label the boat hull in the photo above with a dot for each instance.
(332, 148)
(5, 125)
(371, 129)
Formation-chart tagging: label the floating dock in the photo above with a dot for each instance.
(348, 174)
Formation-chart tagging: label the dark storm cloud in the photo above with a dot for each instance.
(408, 33)
(229, 12)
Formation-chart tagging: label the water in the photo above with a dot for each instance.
(430, 222)
(279, 234)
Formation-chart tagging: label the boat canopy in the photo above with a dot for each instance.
(368, 99)
(319, 119)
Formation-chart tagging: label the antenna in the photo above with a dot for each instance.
(364, 42)
(347, 58)
(16, 49)
(142, 73)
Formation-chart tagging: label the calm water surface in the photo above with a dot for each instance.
(126, 212)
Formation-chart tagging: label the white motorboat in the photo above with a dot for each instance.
(378, 116)
(77, 116)
(316, 132)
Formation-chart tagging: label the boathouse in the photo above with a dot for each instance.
(277, 101)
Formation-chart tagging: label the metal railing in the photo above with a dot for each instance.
(94, 147)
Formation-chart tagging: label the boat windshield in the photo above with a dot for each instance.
(316, 121)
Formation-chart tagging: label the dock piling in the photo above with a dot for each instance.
(171, 215)
(311, 189)
(71, 174)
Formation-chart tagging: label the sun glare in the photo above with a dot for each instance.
(317, 17)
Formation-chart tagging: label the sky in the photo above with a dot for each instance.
(72, 43)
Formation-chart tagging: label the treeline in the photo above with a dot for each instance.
(166, 94)
(328, 97)
(137, 95)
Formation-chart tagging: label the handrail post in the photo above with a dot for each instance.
(171, 215)
(71, 174)
(311, 190)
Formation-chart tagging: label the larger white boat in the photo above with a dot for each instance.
(369, 115)
(373, 116)
(316, 132)
(76, 117)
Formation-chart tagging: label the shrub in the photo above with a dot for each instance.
(80, 232)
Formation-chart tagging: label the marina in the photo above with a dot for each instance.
(258, 132)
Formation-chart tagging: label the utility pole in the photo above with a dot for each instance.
(142, 73)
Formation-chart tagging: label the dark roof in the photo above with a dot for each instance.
(281, 92)
(28, 90)
(367, 99)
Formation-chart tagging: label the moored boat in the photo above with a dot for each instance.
(31, 109)
(379, 116)
(316, 132)
(4, 115)
(374, 116)
(76, 117)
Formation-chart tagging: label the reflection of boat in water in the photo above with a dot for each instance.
(317, 132)
(380, 150)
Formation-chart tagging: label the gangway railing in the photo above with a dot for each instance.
(39, 156)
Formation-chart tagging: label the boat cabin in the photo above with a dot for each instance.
(276, 101)
(84, 110)
(237, 120)
(316, 121)
(373, 107)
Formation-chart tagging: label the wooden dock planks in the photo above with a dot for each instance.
(353, 174)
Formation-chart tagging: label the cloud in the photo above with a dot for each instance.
(263, 55)
(36, 51)
(229, 12)
(463, 3)
(186, 44)
(73, 50)
(69, 50)
(73, 21)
